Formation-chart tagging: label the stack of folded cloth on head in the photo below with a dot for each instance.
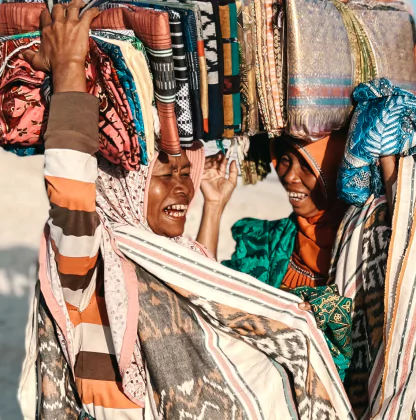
(164, 72)
(211, 70)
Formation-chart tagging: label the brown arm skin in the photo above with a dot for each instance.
(64, 46)
(217, 190)
(208, 234)
(389, 167)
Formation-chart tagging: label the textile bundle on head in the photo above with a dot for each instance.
(187, 72)
(222, 69)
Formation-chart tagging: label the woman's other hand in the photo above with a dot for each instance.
(217, 190)
(216, 187)
(64, 46)
(305, 306)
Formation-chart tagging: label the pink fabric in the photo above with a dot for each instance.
(24, 112)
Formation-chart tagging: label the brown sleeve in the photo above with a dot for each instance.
(73, 122)
(70, 174)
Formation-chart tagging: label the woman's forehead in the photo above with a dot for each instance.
(173, 161)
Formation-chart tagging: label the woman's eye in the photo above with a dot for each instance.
(284, 160)
(168, 175)
(186, 174)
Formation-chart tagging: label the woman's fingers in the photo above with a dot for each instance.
(90, 15)
(35, 60)
(58, 13)
(233, 175)
(45, 18)
(72, 12)
(223, 165)
(305, 306)
(210, 162)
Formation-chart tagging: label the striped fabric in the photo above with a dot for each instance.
(384, 342)
(183, 100)
(74, 225)
(358, 269)
(75, 237)
(207, 299)
(231, 99)
(394, 398)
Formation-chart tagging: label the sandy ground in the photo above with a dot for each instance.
(23, 211)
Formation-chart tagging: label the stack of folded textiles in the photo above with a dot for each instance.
(164, 72)
(180, 71)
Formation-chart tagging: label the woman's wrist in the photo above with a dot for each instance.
(69, 77)
(214, 206)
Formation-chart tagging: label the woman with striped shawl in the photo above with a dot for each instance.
(374, 253)
(132, 321)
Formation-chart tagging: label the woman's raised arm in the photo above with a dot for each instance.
(71, 143)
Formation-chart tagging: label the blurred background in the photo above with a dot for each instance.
(24, 209)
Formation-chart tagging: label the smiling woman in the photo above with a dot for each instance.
(170, 193)
(296, 251)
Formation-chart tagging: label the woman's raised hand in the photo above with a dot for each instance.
(64, 46)
(216, 187)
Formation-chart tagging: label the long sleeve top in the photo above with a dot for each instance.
(75, 236)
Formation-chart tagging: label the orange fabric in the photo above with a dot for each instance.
(106, 394)
(78, 266)
(294, 278)
(81, 199)
(316, 235)
(95, 313)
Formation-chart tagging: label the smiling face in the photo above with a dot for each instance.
(170, 192)
(301, 184)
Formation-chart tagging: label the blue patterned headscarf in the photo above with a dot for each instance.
(383, 124)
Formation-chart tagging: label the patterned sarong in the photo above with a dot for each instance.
(358, 269)
(369, 266)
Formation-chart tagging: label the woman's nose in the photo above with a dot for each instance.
(292, 175)
(180, 187)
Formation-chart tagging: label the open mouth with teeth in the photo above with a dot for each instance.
(177, 211)
(296, 196)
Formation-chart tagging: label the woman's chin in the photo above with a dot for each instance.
(173, 228)
(304, 211)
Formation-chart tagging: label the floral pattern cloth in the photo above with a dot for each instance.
(333, 316)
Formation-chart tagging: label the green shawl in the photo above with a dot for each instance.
(263, 248)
